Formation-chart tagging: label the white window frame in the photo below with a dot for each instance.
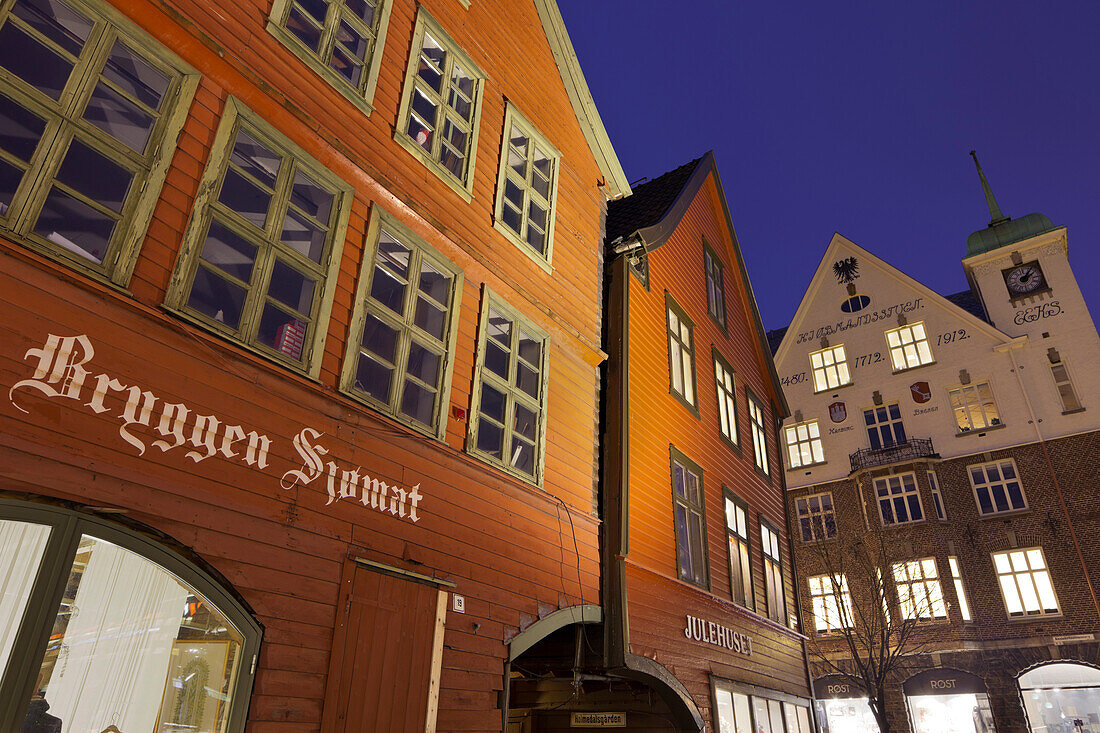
(1033, 576)
(972, 410)
(830, 368)
(831, 602)
(900, 487)
(920, 594)
(989, 486)
(896, 425)
(909, 347)
(960, 589)
(937, 496)
(804, 447)
(819, 518)
(1065, 382)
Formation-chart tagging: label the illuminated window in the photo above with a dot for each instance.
(90, 109)
(1066, 393)
(830, 368)
(689, 520)
(1025, 582)
(441, 106)
(714, 271)
(508, 422)
(884, 426)
(898, 499)
(341, 40)
(681, 354)
(527, 187)
(727, 398)
(737, 534)
(937, 496)
(997, 487)
(262, 249)
(773, 573)
(759, 434)
(815, 517)
(973, 406)
(919, 591)
(831, 602)
(909, 347)
(960, 591)
(804, 444)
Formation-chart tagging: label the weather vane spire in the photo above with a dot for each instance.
(995, 215)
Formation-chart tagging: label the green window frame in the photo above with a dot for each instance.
(340, 40)
(725, 387)
(57, 535)
(689, 519)
(441, 106)
(402, 337)
(774, 593)
(742, 589)
(93, 107)
(682, 383)
(527, 185)
(507, 425)
(266, 245)
(758, 423)
(714, 272)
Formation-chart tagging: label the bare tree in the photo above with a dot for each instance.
(867, 601)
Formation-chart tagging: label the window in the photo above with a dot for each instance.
(973, 406)
(527, 187)
(804, 444)
(84, 599)
(815, 517)
(937, 497)
(1066, 393)
(773, 572)
(960, 591)
(339, 39)
(508, 419)
(90, 108)
(831, 601)
(403, 332)
(714, 271)
(737, 536)
(997, 487)
(898, 499)
(681, 355)
(734, 711)
(884, 426)
(830, 368)
(759, 434)
(1025, 582)
(689, 520)
(727, 399)
(919, 591)
(909, 347)
(262, 249)
(441, 106)
(740, 711)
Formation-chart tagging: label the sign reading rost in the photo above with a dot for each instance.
(709, 632)
(59, 372)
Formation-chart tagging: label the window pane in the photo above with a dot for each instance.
(217, 298)
(256, 159)
(132, 644)
(29, 60)
(303, 235)
(74, 226)
(245, 198)
(291, 287)
(135, 76)
(418, 402)
(21, 548)
(230, 252)
(119, 117)
(94, 175)
(20, 129)
(282, 331)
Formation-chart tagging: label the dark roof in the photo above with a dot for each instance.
(969, 303)
(648, 204)
(775, 338)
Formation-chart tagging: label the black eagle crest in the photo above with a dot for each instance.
(846, 270)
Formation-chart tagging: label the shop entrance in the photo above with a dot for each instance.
(1062, 697)
(948, 701)
(842, 706)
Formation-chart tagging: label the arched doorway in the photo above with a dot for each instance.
(948, 701)
(103, 628)
(1061, 697)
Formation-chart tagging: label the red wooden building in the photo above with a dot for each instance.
(299, 345)
(697, 581)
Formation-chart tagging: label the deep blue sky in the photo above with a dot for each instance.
(856, 117)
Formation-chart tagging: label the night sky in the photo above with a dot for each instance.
(857, 117)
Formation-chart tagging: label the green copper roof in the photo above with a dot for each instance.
(1002, 230)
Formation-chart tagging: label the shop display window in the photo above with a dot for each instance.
(1062, 696)
(739, 712)
(846, 715)
(953, 713)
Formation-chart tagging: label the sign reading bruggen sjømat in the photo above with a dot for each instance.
(60, 372)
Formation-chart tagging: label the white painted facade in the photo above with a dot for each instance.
(1012, 355)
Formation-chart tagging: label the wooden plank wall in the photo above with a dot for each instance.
(508, 546)
(657, 599)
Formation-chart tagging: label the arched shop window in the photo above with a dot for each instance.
(1062, 696)
(948, 700)
(103, 629)
(842, 706)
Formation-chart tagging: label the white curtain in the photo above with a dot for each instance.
(118, 644)
(21, 548)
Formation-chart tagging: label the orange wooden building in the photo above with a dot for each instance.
(300, 350)
(697, 580)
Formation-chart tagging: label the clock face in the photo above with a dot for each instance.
(1025, 279)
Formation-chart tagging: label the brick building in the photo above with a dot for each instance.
(963, 431)
(300, 348)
